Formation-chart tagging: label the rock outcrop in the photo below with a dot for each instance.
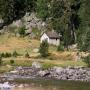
(30, 21)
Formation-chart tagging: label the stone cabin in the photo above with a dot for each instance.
(52, 38)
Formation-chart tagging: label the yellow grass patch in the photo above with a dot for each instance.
(62, 55)
(9, 44)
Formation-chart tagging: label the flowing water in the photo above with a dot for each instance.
(39, 88)
(55, 85)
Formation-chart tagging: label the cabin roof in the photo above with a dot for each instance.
(53, 35)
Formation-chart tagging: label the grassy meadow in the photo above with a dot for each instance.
(10, 43)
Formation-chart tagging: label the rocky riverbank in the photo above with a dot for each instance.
(59, 73)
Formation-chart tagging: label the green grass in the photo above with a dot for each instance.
(45, 63)
(18, 62)
(6, 68)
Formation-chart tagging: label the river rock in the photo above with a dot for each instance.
(43, 73)
(58, 70)
(36, 65)
(36, 50)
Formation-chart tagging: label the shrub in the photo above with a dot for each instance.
(87, 60)
(6, 55)
(27, 55)
(36, 32)
(21, 31)
(60, 47)
(43, 50)
(15, 54)
(1, 60)
(2, 55)
(12, 62)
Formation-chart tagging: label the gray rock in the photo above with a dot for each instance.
(36, 65)
(57, 70)
(36, 50)
(43, 73)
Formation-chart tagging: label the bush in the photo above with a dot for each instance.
(21, 31)
(36, 32)
(6, 55)
(87, 60)
(43, 50)
(1, 60)
(2, 55)
(27, 55)
(15, 54)
(12, 62)
(60, 47)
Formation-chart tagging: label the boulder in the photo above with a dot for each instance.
(36, 50)
(36, 65)
(43, 73)
(58, 70)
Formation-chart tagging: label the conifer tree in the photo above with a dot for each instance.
(44, 46)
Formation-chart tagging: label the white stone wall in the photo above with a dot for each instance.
(54, 41)
(44, 37)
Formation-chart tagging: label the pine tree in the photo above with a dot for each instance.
(44, 46)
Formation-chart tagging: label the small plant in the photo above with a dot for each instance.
(27, 55)
(2, 55)
(36, 32)
(15, 54)
(87, 60)
(6, 55)
(12, 62)
(43, 50)
(21, 31)
(60, 47)
(1, 60)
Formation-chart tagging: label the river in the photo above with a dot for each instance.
(55, 85)
(38, 88)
